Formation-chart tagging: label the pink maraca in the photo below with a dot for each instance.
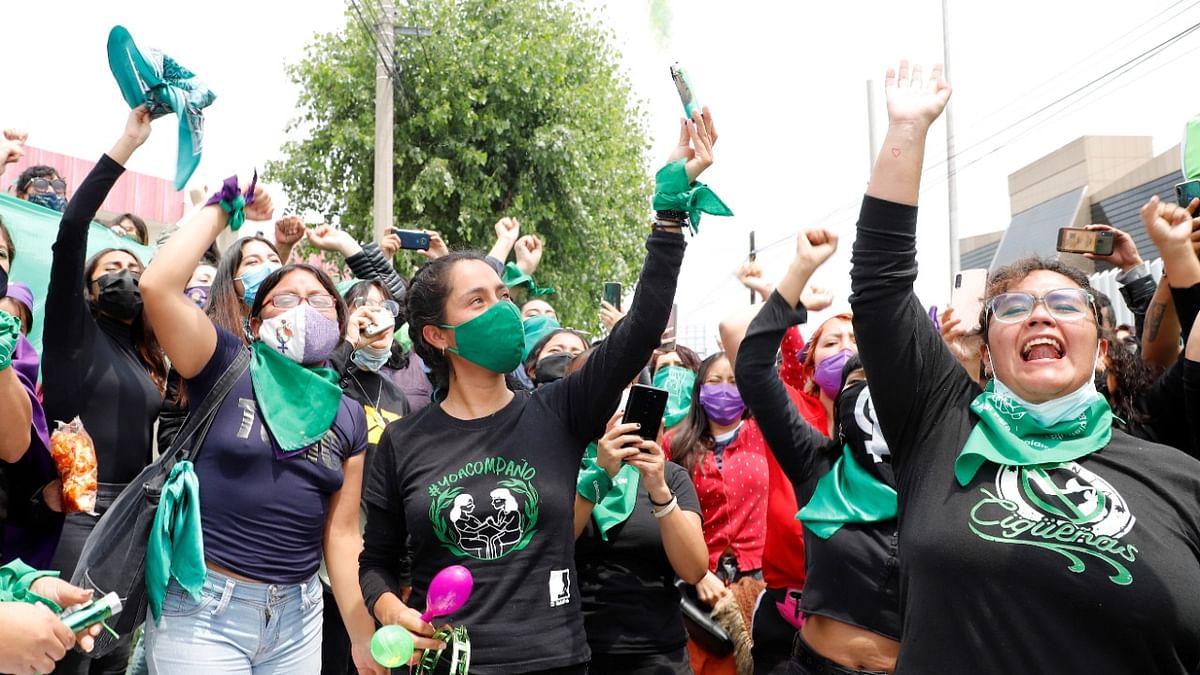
(448, 591)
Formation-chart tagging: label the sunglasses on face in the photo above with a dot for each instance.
(42, 185)
(1064, 304)
(390, 305)
(290, 300)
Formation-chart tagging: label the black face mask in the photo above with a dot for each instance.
(860, 430)
(552, 368)
(119, 296)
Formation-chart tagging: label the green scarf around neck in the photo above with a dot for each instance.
(618, 504)
(1008, 435)
(847, 494)
(298, 404)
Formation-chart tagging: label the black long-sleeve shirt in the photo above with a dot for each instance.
(90, 364)
(1089, 566)
(497, 494)
(851, 576)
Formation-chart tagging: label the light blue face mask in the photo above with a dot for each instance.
(1062, 408)
(252, 278)
(371, 358)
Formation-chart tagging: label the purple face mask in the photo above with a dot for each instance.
(828, 373)
(722, 403)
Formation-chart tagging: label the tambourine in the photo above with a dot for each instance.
(458, 643)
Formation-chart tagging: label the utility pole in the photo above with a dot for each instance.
(384, 121)
(951, 163)
(385, 66)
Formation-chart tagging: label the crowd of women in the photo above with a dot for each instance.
(891, 494)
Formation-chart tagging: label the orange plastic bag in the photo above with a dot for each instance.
(75, 457)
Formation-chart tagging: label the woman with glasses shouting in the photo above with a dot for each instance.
(1034, 536)
(279, 470)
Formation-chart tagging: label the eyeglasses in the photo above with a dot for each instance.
(390, 305)
(290, 300)
(1064, 304)
(41, 185)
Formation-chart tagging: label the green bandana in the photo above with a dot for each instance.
(847, 494)
(678, 381)
(536, 328)
(614, 508)
(176, 546)
(298, 404)
(513, 276)
(10, 330)
(672, 192)
(16, 584)
(1008, 435)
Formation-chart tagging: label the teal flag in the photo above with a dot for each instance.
(1191, 149)
(34, 229)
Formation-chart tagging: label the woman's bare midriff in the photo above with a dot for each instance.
(850, 646)
(229, 573)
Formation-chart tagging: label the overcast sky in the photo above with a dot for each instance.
(785, 80)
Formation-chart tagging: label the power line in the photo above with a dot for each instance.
(1082, 93)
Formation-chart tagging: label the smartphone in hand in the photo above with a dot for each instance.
(1186, 191)
(966, 298)
(687, 95)
(412, 240)
(612, 294)
(1083, 240)
(646, 406)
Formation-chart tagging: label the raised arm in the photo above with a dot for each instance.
(366, 262)
(69, 324)
(913, 376)
(790, 438)
(186, 334)
(586, 396)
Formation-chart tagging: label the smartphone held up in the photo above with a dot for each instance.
(412, 240)
(687, 94)
(645, 406)
(1083, 240)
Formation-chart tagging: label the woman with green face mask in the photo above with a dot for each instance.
(486, 477)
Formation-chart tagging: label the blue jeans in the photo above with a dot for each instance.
(238, 627)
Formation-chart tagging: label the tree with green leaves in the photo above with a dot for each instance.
(508, 108)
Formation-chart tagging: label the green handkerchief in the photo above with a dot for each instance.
(847, 494)
(672, 192)
(298, 404)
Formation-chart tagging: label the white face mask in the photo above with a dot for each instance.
(1062, 408)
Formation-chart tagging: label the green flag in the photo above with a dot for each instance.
(1191, 149)
(34, 229)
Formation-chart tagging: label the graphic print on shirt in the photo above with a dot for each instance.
(560, 587)
(377, 421)
(1063, 508)
(485, 510)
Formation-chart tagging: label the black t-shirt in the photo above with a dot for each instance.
(90, 365)
(1090, 566)
(630, 603)
(852, 576)
(497, 494)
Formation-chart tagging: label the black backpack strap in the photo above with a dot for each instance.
(201, 418)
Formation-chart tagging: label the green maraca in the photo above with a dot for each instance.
(392, 646)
